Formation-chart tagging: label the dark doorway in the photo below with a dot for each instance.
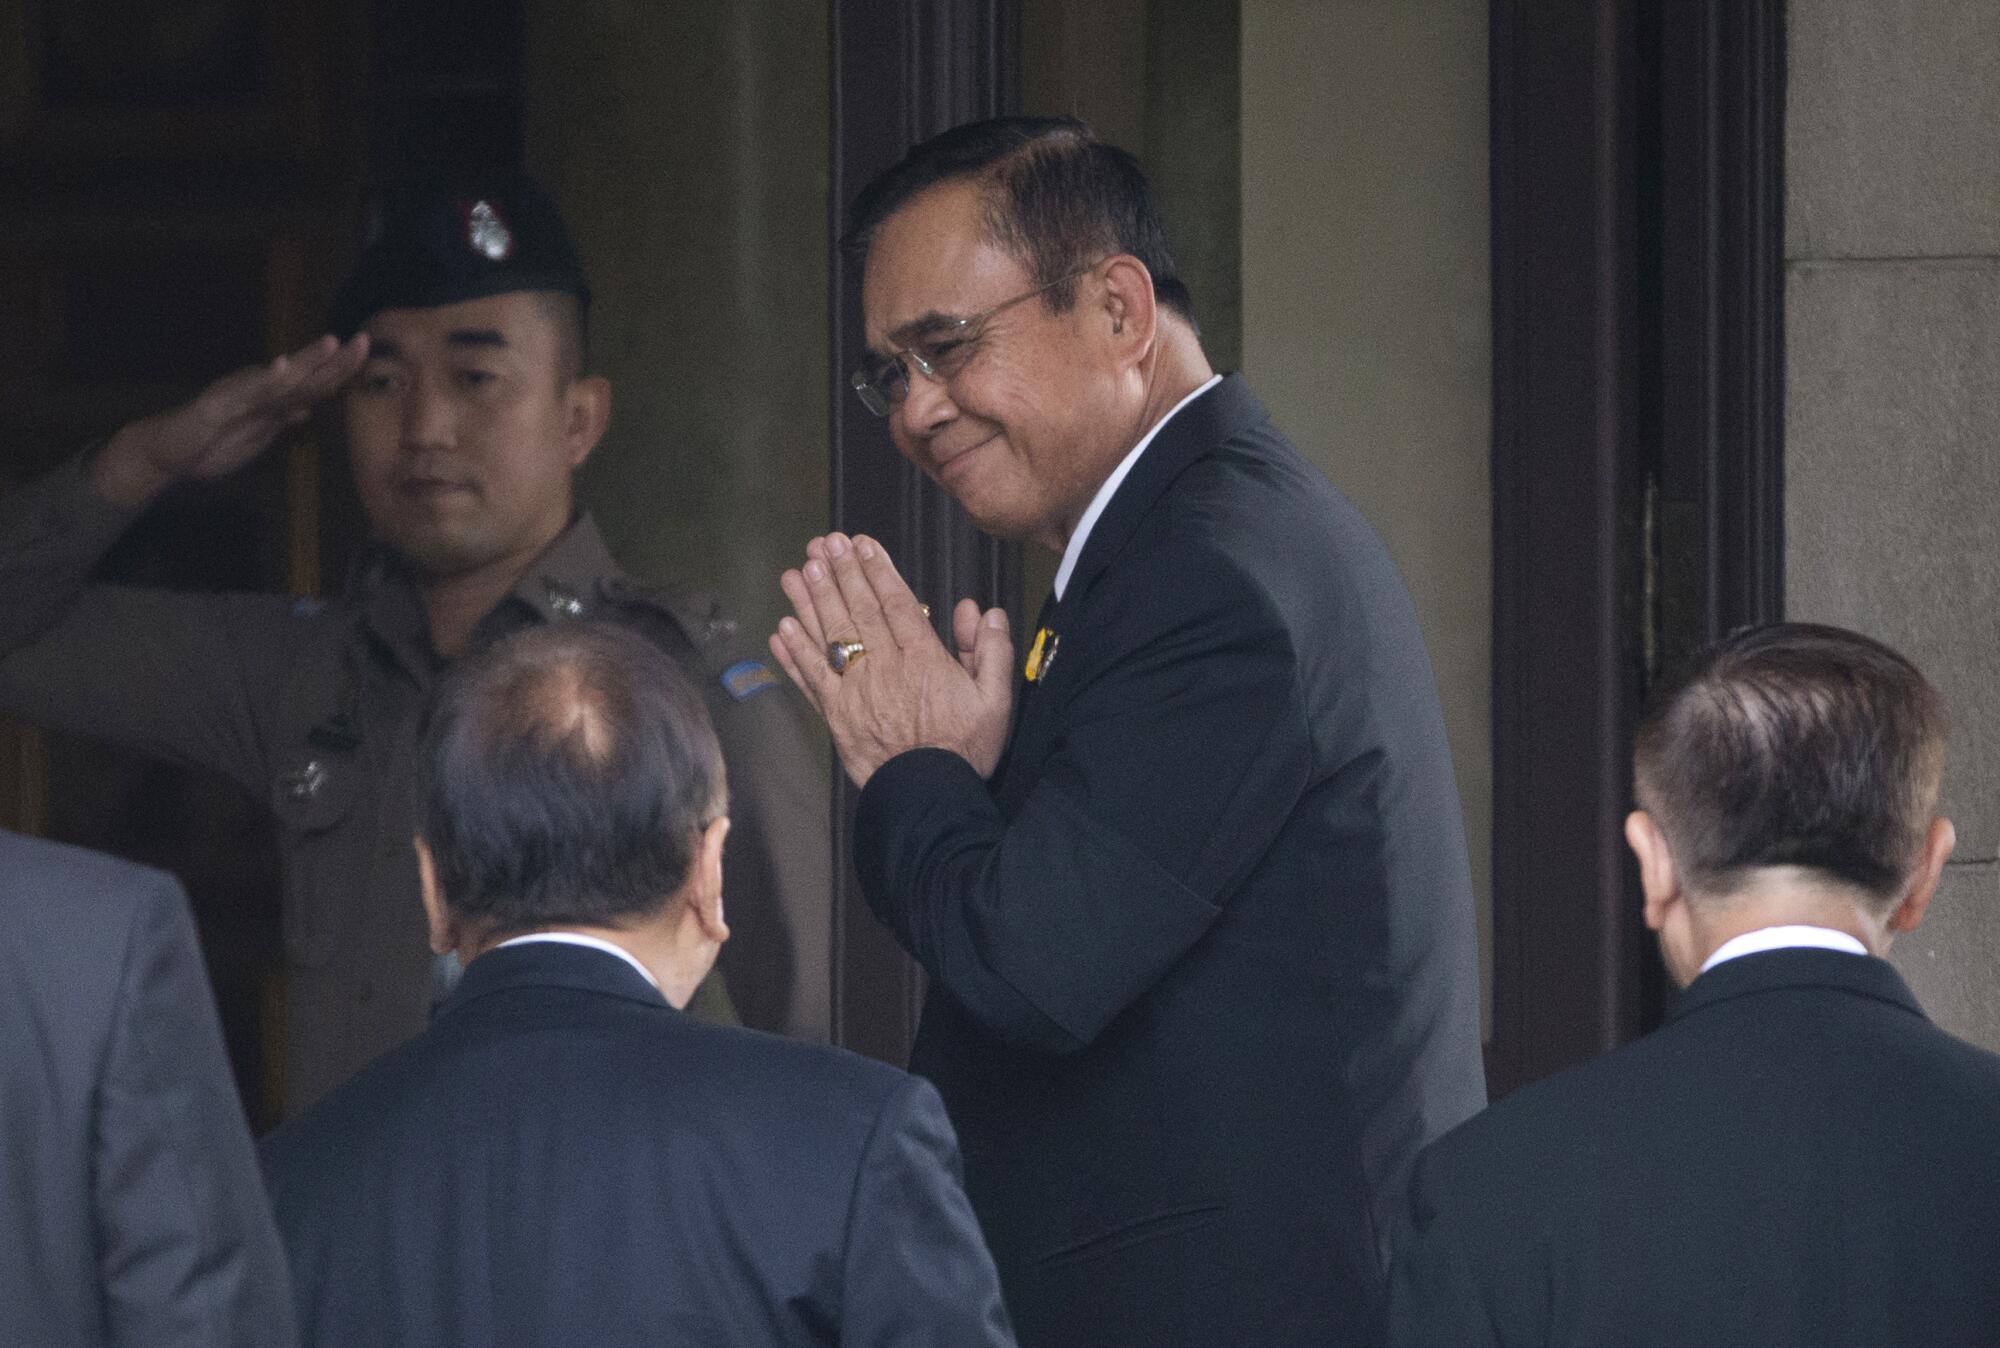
(1637, 271)
(178, 185)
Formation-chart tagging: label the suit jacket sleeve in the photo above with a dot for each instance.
(1183, 751)
(1434, 1298)
(917, 1269)
(179, 676)
(188, 1254)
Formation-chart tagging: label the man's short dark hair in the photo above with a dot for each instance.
(1058, 198)
(566, 775)
(570, 316)
(1794, 745)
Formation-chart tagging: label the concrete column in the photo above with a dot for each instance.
(1893, 403)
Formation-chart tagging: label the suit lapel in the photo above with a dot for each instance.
(1216, 417)
(1030, 705)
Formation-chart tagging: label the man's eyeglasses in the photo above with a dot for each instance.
(885, 380)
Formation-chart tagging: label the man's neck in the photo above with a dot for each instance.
(454, 605)
(1785, 899)
(1179, 368)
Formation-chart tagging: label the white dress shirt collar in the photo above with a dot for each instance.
(588, 943)
(1104, 493)
(1783, 938)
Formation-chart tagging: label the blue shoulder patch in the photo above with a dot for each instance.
(747, 679)
(307, 608)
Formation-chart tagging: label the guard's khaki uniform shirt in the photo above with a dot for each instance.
(315, 709)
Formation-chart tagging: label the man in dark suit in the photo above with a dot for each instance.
(563, 1157)
(129, 1206)
(1798, 1157)
(1199, 929)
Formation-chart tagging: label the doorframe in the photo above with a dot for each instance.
(901, 72)
(1638, 385)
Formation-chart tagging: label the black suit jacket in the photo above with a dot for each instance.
(130, 1211)
(1797, 1158)
(1204, 976)
(564, 1159)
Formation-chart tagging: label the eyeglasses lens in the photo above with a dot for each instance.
(880, 385)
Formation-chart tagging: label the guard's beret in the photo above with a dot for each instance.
(441, 242)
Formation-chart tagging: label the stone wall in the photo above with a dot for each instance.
(1367, 309)
(1893, 403)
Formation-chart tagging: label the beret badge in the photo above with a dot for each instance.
(487, 233)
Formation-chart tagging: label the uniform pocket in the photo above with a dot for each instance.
(312, 799)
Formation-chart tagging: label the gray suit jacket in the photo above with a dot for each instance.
(130, 1208)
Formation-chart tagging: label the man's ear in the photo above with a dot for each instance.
(1938, 842)
(437, 914)
(1658, 878)
(706, 892)
(1129, 306)
(587, 412)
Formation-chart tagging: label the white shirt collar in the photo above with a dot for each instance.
(589, 943)
(1783, 938)
(1104, 493)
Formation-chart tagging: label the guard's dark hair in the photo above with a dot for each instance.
(1058, 198)
(570, 316)
(1794, 745)
(566, 775)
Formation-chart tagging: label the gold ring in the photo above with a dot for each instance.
(926, 608)
(841, 654)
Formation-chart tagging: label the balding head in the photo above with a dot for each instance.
(1797, 746)
(568, 775)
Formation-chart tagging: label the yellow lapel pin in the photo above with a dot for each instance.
(1041, 655)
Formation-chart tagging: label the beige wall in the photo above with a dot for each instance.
(1892, 455)
(687, 144)
(1159, 78)
(1367, 307)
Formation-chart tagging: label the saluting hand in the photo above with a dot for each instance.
(224, 426)
(904, 690)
